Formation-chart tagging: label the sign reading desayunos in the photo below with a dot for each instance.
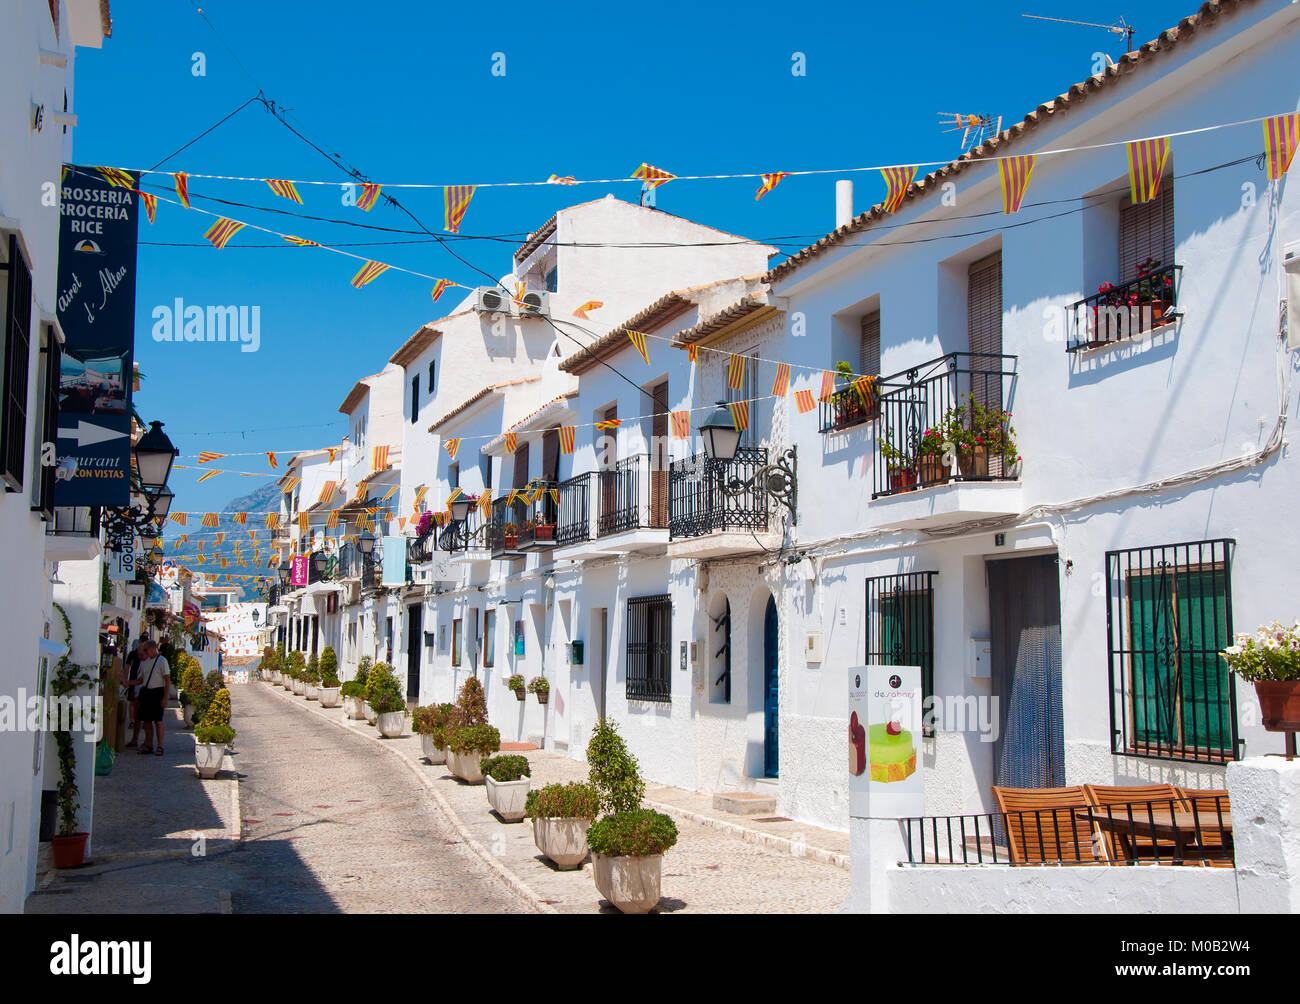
(886, 780)
(96, 310)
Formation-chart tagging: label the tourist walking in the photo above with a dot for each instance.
(133, 692)
(154, 680)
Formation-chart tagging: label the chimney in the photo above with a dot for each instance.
(843, 203)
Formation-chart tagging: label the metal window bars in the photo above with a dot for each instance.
(573, 523)
(900, 622)
(846, 408)
(649, 640)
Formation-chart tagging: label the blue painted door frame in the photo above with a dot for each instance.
(770, 690)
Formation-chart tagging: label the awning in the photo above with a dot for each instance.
(113, 610)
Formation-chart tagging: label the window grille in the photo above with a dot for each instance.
(900, 623)
(649, 640)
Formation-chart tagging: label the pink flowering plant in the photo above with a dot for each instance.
(1271, 653)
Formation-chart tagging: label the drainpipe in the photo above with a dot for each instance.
(843, 203)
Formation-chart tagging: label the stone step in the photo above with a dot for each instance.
(744, 803)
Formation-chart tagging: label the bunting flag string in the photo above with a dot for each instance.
(511, 441)
(828, 385)
(207, 458)
(566, 439)
(332, 520)
(735, 371)
(692, 353)
(865, 388)
(1015, 173)
(1146, 166)
(739, 414)
(182, 181)
(781, 385)
(369, 196)
(221, 231)
(589, 305)
(456, 199)
(284, 189)
(452, 445)
(333, 452)
(389, 494)
(303, 522)
(420, 492)
(770, 181)
(438, 288)
(652, 176)
(272, 520)
(178, 518)
(271, 458)
(210, 519)
(302, 242)
(638, 342)
(555, 179)
(1281, 138)
(897, 181)
(150, 203)
(609, 423)
(804, 401)
(370, 271)
(208, 474)
(681, 421)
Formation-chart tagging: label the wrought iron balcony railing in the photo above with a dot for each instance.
(633, 496)
(505, 528)
(1116, 313)
(696, 503)
(848, 407)
(573, 522)
(74, 521)
(538, 531)
(946, 420)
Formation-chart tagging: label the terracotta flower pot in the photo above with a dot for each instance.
(974, 462)
(934, 470)
(512, 541)
(902, 480)
(1279, 704)
(69, 851)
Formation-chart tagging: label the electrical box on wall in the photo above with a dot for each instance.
(979, 661)
(813, 650)
(575, 653)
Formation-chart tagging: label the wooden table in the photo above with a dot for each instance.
(1178, 827)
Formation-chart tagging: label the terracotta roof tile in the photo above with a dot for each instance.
(749, 306)
(477, 397)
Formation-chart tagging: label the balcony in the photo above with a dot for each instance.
(73, 534)
(504, 530)
(706, 522)
(846, 408)
(465, 541)
(538, 531)
(573, 523)
(1143, 306)
(944, 426)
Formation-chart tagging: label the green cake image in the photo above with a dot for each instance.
(890, 753)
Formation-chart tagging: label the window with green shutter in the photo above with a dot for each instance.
(900, 623)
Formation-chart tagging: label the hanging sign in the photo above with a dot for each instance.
(96, 310)
(121, 557)
(885, 776)
(298, 570)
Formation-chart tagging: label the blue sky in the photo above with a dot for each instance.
(404, 92)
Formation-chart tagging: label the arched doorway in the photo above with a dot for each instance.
(770, 690)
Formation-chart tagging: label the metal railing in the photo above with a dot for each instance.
(632, 496)
(1116, 313)
(74, 521)
(573, 523)
(504, 530)
(955, 399)
(419, 548)
(1192, 831)
(696, 503)
(537, 532)
(846, 408)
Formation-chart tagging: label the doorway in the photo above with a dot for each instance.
(771, 679)
(1025, 641)
(659, 457)
(414, 622)
(599, 657)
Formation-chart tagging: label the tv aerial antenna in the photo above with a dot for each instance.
(1120, 27)
(975, 129)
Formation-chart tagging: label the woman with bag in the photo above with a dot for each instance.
(154, 681)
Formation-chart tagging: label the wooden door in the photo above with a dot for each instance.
(659, 457)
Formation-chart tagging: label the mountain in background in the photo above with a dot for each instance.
(263, 499)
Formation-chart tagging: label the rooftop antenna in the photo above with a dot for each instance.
(1120, 27)
(981, 126)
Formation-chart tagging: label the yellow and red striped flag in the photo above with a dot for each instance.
(511, 441)
(379, 459)
(208, 474)
(389, 494)
(182, 187)
(176, 544)
(781, 385)
(284, 189)
(332, 520)
(420, 492)
(199, 546)
(681, 421)
(302, 522)
(1015, 173)
(370, 271)
(866, 390)
(520, 289)
(609, 423)
(302, 242)
(589, 305)
(272, 520)
(1146, 166)
(150, 203)
(735, 371)
(221, 231)
(739, 414)
(555, 179)
(828, 385)
(770, 181)
(369, 196)
(804, 401)
(1281, 138)
(897, 182)
(207, 458)
(438, 288)
(652, 176)
(452, 446)
(117, 177)
(333, 451)
(271, 458)
(566, 439)
(178, 518)
(456, 199)
(221, 537)
(638, 342)
(210, 519)
(692, 352)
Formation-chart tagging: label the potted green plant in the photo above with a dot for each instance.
(516, 684)
(192, 688)
(1270, 659)
(900, 465)
(430, 724)
(69, 844)
(846, 409)
(311, 679)
(329, 689)
(467, 746)
(510, 532)
(386, 701)
(561, 815)
(297, 664)
(541, 687)
(507, 778)
(353, 692)
(213, 735)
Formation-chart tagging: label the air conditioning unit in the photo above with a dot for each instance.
(491, 300)
(535, 303)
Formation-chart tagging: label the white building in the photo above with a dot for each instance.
(37, 52)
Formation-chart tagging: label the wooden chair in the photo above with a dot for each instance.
(1042, 827)
(1120, 797)
(1209, 803)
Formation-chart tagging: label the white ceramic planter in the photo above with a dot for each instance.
(299, 687)
(391, 724)
(466, 767)
(187, 715)
(369, 712)
(354, 708)
(562, 839)
(311, 692)
(431, 752)
(329, 697)
(631, 884)
(207, 758)
(287, 683)
(508, 797)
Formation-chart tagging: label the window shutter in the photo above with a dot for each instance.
(521, 467)
(984, 326)
(17, 356)
(415, 398)
(870, 353)
(1146, 231)
(50, 423)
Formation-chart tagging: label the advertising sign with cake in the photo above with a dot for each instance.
(885, 777)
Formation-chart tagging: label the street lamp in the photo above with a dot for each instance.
(154, 454)
(284, 575)
(460, 508)
(318, 562)
(366, 542)
(779, 481)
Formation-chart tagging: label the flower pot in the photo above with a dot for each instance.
(187, 715)
(545, 532)
(974, 463)
(69, 851)
(563, 839)
(631, 884)
(431, 752)
(512, 541)
(541, 698)
(207, 758)
(391, 723)
(1279, 704)
(466, 767)
(299, 687)
(370, 715)
(312, 692)
(329, 697)
(508, 797)
(521, 694)
(354, 707)
(934, 470)
(288, 683)
(902, 479)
